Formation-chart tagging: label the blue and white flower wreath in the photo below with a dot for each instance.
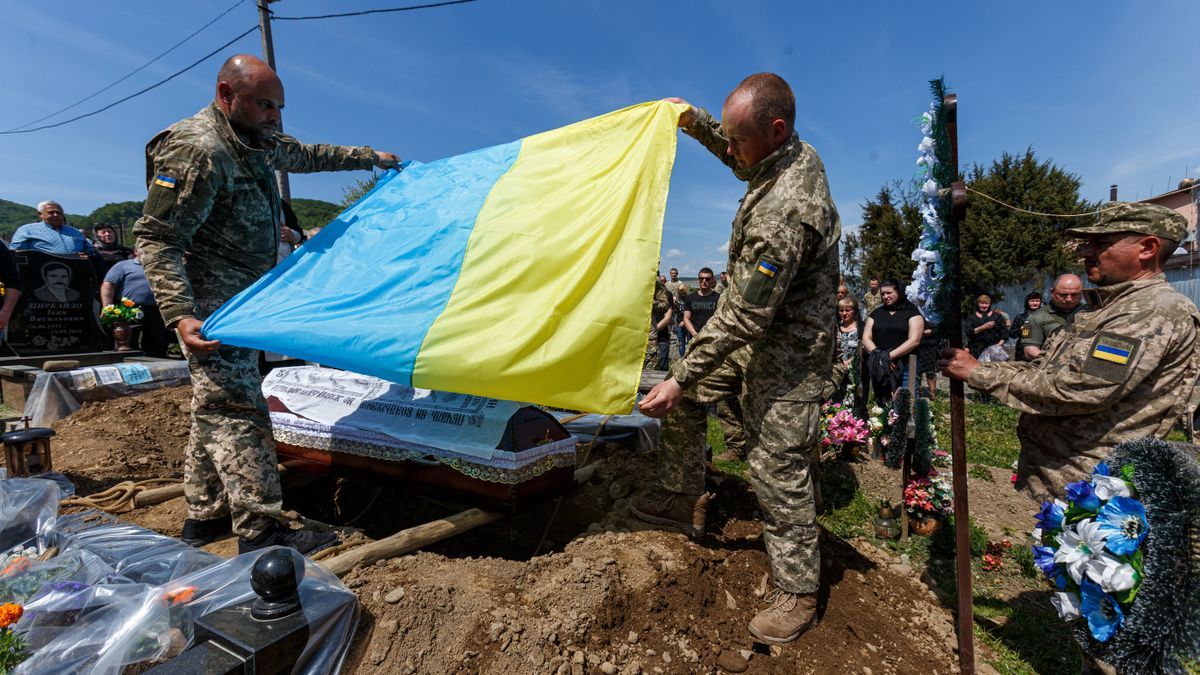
(1091, 549)
(1123, 551)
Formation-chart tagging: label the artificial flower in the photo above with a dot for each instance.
(1043, 557)
(1078, 544)
(1050, 517)
(1107, 485)
(1112, 574)
(1067, 604)
(1081, 495)
(1103, 614)
(1123, 522)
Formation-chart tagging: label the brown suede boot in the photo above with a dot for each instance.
(788, 616)
(685, 513)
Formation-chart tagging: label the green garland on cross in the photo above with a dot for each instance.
(944, 173)
(922, 462)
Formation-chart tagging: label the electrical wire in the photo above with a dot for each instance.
(135, 71)
(135, 94)
(369, 11)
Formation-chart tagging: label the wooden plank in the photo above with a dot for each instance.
(407, 541)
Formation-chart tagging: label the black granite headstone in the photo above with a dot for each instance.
(59, 308)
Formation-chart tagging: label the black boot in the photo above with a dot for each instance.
(304, 541)
(201, 532)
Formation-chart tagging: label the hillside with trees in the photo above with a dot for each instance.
(311, 212)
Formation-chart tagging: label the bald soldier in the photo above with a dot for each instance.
(769, 343)
(210, 228)
(1124, 369)
(1065, 297)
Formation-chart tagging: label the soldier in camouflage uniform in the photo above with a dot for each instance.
(770, 343)
(210, 228)
(1043, 322)
(660, 312)
(1124, 369)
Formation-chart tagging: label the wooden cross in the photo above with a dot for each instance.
(958, 435)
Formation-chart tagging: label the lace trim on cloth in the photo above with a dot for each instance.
(507, 468)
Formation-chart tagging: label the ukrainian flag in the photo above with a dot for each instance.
(521, 271)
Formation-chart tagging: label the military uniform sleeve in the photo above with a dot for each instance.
(182, 186)
(1032, 333)
(706, 129)
(775, 247)
(292, 155)
(1087, 374)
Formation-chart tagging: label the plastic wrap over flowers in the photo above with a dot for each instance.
(928, 274)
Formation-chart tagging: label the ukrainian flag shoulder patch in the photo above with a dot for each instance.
(766, 268)
(165, 181)
(1113, 349)
(1111, 357)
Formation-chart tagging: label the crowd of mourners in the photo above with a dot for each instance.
(879, 332)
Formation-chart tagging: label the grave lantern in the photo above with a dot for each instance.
(27, 451)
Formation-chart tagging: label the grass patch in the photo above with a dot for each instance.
(850, 520)
(980, 473)
(991, 432)
(1039, 638)
(1005, 660)
(716, 441)
(1023, 557)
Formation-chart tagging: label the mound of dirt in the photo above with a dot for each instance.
(633, 602)
(574, 586)
(130, 438)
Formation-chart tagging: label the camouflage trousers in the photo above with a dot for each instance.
(729, 415)
(781, 436)
(230, 464)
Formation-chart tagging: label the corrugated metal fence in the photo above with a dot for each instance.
(1186, 280)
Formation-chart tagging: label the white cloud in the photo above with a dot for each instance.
(674, 253)
(724, 248)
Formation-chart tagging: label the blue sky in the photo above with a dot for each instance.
(1103, 88)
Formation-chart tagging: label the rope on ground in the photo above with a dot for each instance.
(119, 498)
(587, 451)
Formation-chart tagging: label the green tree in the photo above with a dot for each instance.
(882, 247)
(314, 212)
(1003, 246)
(358, 189)
(14, 215)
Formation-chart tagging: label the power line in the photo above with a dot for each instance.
(371, 11)
(135, 94)
(135, 71)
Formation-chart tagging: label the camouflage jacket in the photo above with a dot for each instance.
(1124, 369)
(661, 303)
(210, 226)
(783, 276)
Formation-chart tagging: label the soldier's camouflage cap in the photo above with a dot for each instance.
(1136, 217)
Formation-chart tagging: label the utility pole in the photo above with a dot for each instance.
(264, 27)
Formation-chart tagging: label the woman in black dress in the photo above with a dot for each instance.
(985, 327)
(892, 332)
